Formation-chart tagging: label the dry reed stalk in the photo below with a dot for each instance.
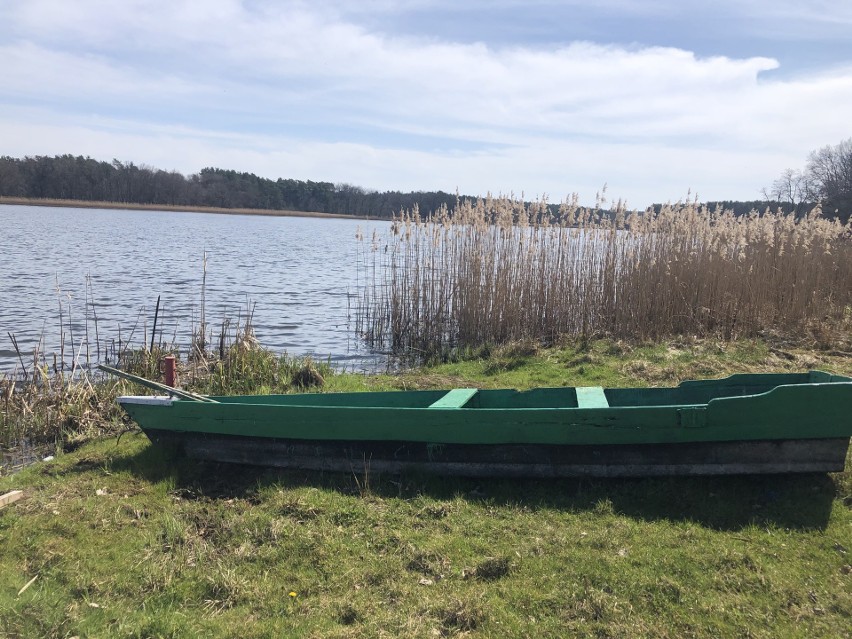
(199, 338)
(154, 328)
(18, 353)
(91, 299)
(498, 270)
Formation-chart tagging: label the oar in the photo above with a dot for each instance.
(157, 385)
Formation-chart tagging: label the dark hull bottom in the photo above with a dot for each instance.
(516, 460)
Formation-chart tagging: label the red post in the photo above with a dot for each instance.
(169, 370)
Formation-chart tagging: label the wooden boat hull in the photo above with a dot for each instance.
(517, 460)
(741, 424)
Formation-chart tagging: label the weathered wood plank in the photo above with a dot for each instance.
(713, 458)
(11, 497)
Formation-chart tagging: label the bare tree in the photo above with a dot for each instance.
(793, 188)
(827, 179)
(830, 172)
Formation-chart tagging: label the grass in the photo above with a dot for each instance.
(124, 541)
(605, 362)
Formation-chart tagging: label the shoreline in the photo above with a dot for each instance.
(130, 206)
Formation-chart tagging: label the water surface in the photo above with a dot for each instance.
(300, 272)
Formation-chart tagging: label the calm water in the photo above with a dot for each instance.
(300, 272)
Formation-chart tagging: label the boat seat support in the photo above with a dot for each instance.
(591, 397)
(456, 398)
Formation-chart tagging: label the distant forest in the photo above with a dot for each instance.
(68, 177)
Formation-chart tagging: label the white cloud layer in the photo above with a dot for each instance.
(296, 90)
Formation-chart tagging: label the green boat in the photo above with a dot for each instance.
(767, 423)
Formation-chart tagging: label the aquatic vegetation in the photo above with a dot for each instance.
(499, 270)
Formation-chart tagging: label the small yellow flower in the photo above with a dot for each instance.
(292, 593)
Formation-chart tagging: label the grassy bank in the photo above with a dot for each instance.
(114, 539)
(89, 204)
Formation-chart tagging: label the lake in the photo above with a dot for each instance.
(300, 272)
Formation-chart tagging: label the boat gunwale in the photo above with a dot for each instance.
(233, 400)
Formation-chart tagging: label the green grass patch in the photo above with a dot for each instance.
(119, 539)
(123, 541)
(607, 363)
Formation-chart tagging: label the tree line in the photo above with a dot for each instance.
(826, 179)
(69, 177)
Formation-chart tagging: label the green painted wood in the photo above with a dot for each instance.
(456, 398)
(693, 416)
(383, 399)
(591, 397)
(742, 409)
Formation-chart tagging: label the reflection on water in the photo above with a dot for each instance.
(299, 271)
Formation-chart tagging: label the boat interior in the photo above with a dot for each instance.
(687, 393)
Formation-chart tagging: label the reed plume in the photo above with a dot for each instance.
(496, 270)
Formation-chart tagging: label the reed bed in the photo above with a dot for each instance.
(47, 403)
(498, 270)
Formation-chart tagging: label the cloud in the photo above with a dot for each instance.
(300, 90)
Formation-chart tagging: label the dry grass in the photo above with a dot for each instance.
(500, 270)
(56, 409)
(65, 409)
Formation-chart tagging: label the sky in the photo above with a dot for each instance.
(658, 100)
